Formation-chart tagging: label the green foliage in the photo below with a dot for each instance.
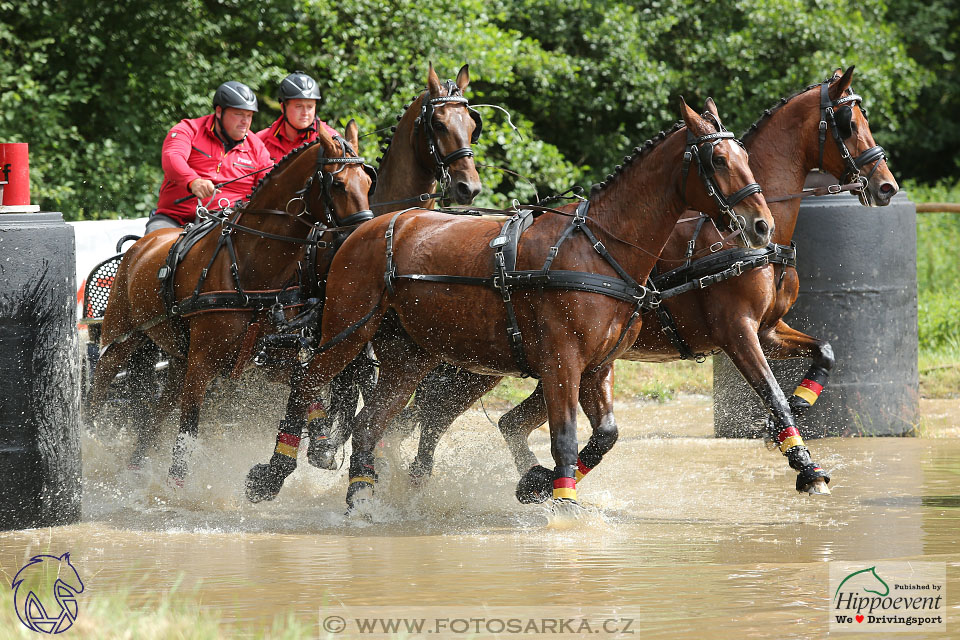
(94, 86)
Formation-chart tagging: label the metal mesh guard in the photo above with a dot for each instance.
(97, 290)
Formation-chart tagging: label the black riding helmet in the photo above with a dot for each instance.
(299, 85)
(235, 94)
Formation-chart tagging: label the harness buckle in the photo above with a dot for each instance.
(716, 246)
(737, 268)
(834, 188)
(704, 282)
(823, 126)
(599, 248)
(163, 272)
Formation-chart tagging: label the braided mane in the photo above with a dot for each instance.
(783, 101)
(638, 152)
(281, 165)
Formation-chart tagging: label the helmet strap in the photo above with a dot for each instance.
(228, 142)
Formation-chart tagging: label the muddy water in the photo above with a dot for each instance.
(690, 536)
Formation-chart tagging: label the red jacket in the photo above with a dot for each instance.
(278, 145)
(192, 150)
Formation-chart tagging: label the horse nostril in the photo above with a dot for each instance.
(761, 227)
(886, 187)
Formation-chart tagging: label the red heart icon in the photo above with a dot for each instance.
(859, 618)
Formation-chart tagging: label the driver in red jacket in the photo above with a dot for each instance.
(200, 153)
(298, 122)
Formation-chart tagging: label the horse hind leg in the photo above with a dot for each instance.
(441, 398)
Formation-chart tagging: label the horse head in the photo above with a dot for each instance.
(843, 118)
(726, 190)
(324, 182)
(450, 127)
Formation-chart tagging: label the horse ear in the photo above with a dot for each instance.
(433, 83)
(711, 106)
(841, 85)
(353, 135)
(463, 77)
(694, 123)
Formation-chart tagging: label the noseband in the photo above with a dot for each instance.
(700, 150)
(425, 127)
(836, 119)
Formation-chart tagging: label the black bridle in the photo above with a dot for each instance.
(838, 116)
(428, 107)
(700, 150)
(324, 178)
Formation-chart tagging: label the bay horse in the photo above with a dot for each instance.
(430, 147)
(229, 288)
(566, 329)
(741, 316)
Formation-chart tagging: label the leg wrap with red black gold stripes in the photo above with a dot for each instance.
(809, 390)
(798, 456)
(564, 483)
(362, 474)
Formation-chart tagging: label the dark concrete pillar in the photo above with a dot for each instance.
(39, 372)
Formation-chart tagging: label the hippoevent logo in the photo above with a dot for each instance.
(888, 596)
(45, 593)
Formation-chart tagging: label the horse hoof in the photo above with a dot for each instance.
(322, 457)
(358, 493)
(263, 483)
(818, 487)
(535, 486)
(420, 472)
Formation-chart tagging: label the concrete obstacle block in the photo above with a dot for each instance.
(39, 373)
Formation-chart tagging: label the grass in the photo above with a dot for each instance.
(633, 382)
(645, 382)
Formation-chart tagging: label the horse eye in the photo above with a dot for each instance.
(720, 161)
(439, 126)
(338, 185)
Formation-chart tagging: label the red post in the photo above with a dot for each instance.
(15, 172)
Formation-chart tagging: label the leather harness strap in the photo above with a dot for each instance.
(506, 278)
(707, 271)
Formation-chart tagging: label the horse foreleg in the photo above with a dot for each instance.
(111, 362)
(596, 399)
(199, 373)
(441, 398)
(783, 342)
(150, 428)
(404, 364)
(748, 357)
(561, 390)
(264, 481)
(330, 432)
